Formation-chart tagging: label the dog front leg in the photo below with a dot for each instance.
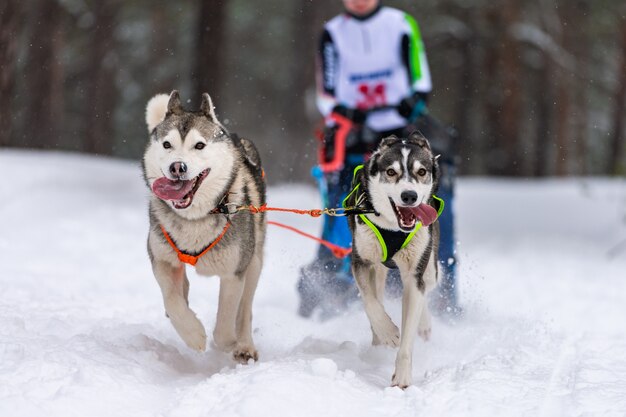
(425, 329)
(380, 278)
(231, 288)
(413, 302)
(175, 289)
(383, 330)
(430, 281)
(244, 349)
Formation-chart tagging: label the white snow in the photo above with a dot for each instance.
(83, 332)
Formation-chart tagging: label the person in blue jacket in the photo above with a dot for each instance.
(373, 72)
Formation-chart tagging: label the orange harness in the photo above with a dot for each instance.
(193, 259)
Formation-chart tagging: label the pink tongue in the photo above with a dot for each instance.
(425, 213)
(167, 189)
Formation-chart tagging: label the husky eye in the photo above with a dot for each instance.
(200, 145)
(391, 172)
(167, 145)
(421, 172)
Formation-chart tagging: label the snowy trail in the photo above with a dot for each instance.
(82, 328)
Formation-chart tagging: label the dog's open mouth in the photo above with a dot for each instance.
(408, 216)
(179, 192)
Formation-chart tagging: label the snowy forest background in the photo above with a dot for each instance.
(535, 87)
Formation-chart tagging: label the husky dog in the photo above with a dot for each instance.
(398, 183)
(196, 170)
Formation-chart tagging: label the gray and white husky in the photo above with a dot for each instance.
(195, 169)
(398, 182)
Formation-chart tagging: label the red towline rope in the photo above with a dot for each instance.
(264, 208)
(338, 251)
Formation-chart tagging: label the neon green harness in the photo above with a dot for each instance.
(375, 229)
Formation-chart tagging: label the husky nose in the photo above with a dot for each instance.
(178, 169)
(408, 197)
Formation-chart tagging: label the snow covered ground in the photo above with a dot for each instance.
(83, 333)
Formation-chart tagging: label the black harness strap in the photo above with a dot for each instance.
(394, 241)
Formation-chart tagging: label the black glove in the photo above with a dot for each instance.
(413, 105)
(328, 143)
(355, 115)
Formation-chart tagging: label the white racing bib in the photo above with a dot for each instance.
(372, 62)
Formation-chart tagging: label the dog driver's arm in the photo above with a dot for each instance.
(414, 58)
(326, 77)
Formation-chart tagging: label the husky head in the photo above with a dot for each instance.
(190, 157)
(401, 177)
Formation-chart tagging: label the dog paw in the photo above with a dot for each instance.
(400, 381)
(193, 334)
(388, 335)
(385, 332)
(243, 354)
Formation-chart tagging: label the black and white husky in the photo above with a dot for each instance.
(398, 182)
(194, 169)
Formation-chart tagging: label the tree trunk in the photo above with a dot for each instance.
(9, 20)
(581, 93)
(512, 93)
(495, 159)
(210, 53)
(44, 77)
(565, 88)
(617, 134)
(562, 123)
(101, 97)
(465, 106)
(298, 107)
(162, 42)
(306, 31)
(544, 97)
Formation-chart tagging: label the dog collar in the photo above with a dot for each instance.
(391, 242)
(192, 259)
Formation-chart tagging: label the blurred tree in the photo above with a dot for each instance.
(580, 49)
(464, 113)
(101, 90)
(511, 70)
(542, 100)
(210, 50)
(163, 46)
(9, 23)
(303, 44)
(617, 131)
(299, 107)
(564, 87)
(454, 41)
(570, 91)
(496, 39)
(529, 84)
(44, 74)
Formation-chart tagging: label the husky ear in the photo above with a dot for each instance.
(155, 110)
(208, 109)
(250, 153)
(436, 174)
(388, 142)
(174, 106)
(372, 164)
(418, 139)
